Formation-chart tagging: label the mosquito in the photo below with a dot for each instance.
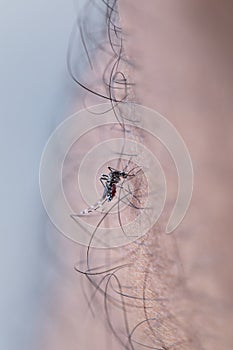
(109, 183)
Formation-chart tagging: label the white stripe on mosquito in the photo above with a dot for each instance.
(109, 183)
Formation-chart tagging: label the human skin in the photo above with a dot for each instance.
(183, 56)
(182, 53)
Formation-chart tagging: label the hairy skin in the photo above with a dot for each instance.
(183, 53)
(178, 288)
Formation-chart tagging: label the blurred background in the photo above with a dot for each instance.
(36, 95)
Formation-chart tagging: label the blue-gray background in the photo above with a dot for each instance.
(36, 93)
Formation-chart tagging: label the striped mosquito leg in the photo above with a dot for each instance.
(93, 207)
